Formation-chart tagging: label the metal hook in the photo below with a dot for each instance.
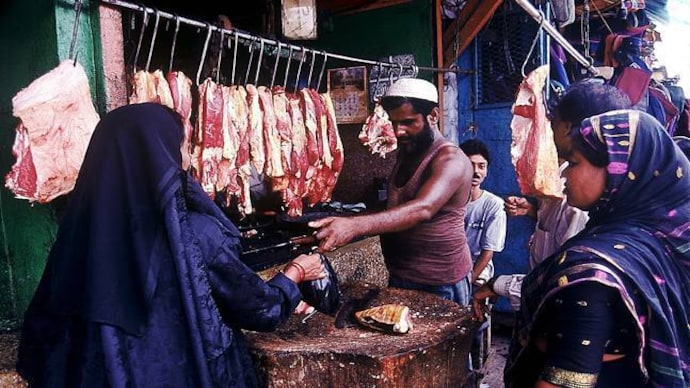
(378, 80)
(234, 58)
(534, 43)
(249, 63)
(153, 39)
(141, 36)
(220, 54)
(311, 68)
(415, 71)
(75, 30)
(174, 42)
(400, 72)
(203, 53)
(299, 68)
(275, 66)
(258, 63)
(287, 67)
(323, 68)
(378, 77)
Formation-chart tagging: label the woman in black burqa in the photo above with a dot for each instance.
(144, 286)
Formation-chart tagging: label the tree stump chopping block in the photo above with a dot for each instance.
(315, 353)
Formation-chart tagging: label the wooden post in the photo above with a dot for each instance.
(438, 31)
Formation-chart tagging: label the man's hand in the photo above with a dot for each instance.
(479, 299)
(334, 232)
(517, 206)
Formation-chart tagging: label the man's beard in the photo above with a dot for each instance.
(420, 142)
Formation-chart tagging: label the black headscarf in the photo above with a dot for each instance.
(103, 265)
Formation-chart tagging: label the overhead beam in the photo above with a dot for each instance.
(460, 33)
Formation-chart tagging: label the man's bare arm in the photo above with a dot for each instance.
(449, 172)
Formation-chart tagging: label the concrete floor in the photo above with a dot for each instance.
(493, 368)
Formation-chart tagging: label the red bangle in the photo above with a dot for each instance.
(300, 270)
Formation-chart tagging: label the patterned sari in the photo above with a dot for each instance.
(636, 243)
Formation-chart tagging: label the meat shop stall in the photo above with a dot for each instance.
(282, 133)
(285, 129)
(326, 149)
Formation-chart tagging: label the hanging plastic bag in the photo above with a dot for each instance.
(323, 294)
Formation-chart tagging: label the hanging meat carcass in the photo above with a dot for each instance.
(335, 144)
(311, 127)
(274, 164)
(227, 170)
(284, 130)
(299, 161)
(240, 119)
(318, 182)
(151, 87)
(209, 134)
(322, 121)
(377, 132)
(256, 129)
(181, 92)
(241, 129)
(533, 150)
(57, 118)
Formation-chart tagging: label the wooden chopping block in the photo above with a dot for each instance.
(315, 353)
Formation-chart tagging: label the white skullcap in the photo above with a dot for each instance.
(415, 88)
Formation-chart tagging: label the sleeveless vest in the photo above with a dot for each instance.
(434, 252)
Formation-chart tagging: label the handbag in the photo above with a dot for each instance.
(323, 294)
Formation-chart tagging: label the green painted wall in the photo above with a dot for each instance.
(400, 29)
(34, 36)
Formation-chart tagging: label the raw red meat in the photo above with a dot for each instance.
(533, 150)
(377, 132)
(57, 118)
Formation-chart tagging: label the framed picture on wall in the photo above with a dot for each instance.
(348, 89)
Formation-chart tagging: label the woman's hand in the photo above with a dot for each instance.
(305, 267)
(303, 308)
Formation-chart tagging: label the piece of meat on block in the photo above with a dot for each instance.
(315, 353)
(57, 118)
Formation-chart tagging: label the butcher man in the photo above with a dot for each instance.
(422, 230)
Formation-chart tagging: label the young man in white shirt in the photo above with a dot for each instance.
(485, 218)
